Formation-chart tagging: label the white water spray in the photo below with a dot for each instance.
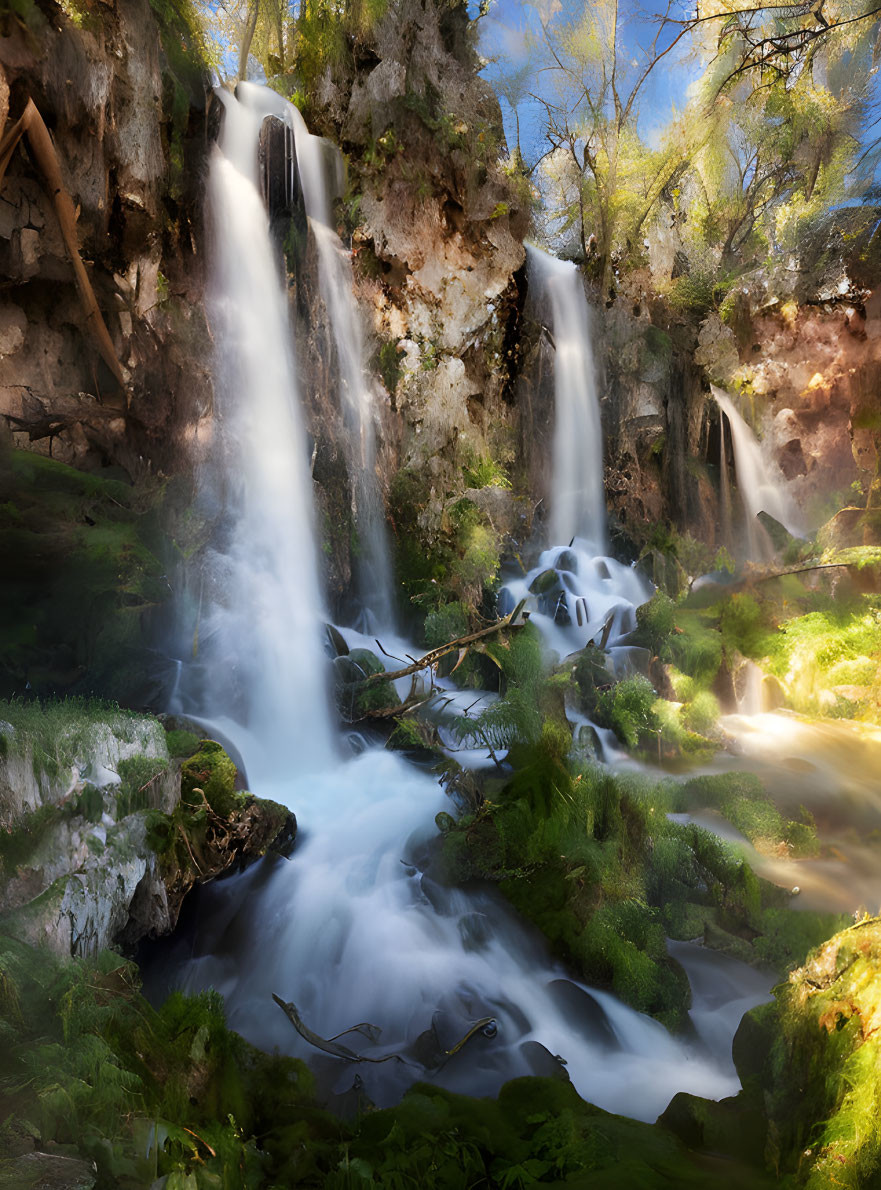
(761, 486)
(577, 494)
(259, 651)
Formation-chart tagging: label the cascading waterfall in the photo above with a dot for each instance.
(352, 929)
(260, 677)
(575, 594)
(373, 564)
(724, 485)
(578, 504)
(761, 486)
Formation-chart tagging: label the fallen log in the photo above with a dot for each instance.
(430, 659)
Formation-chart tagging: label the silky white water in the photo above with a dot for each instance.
(354, 927)
(578, 506)
(315, 156)
(760, 483)
(260, 661)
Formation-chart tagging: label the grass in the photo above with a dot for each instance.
(57, 732)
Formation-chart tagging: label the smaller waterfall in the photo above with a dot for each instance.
(761, 486)
(724, 486)
(578, 506)
(260, 671)
(314, 155)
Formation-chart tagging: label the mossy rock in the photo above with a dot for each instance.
(356, 700)
(211, 770)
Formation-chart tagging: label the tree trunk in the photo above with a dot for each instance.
(250, 29)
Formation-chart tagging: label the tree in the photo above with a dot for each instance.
(602, 179)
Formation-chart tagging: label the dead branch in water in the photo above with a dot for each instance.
(430, 659)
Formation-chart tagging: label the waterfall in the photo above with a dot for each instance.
(761, 486)
(355, 928)
(575, 594)
(373, 564)
(578, 506)
(724, 486)
(260, 661)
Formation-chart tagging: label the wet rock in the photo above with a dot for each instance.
(784, 543)
(545, 583)
(845, 529)
(584, 1013)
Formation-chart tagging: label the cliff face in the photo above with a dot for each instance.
(124, 115)
(437, 228)
(120, 90)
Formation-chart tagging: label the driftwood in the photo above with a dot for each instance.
(430, 659)
(329, 1045)
(43, 152)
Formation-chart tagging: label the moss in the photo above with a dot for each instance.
(482, 471)
(388, 364)
(212, 771)
(655, 621)
(811, 1064)
(696, 648)
(18, 843)
(181, 743)
(58, 732)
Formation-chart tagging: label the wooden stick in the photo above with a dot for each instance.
(431, 658)
(43, 149)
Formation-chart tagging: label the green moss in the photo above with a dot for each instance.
(742, 799)
(701, 714)
(388, 364)
(181, 743)
(482, 471)
(655, 621)
(58, 732)
(212, 771)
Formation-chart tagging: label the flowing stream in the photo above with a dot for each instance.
(354, 928)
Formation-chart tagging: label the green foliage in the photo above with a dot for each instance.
(696, 648)
(388, 364)
(628, 709)
(702, 713)
(137, 775)
(655, 621)
(58, 732)
(485, 472)
(455, 562)
(444, 624)
(816, 1064)
(85, 556)
(697, 292)
(212, 771)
